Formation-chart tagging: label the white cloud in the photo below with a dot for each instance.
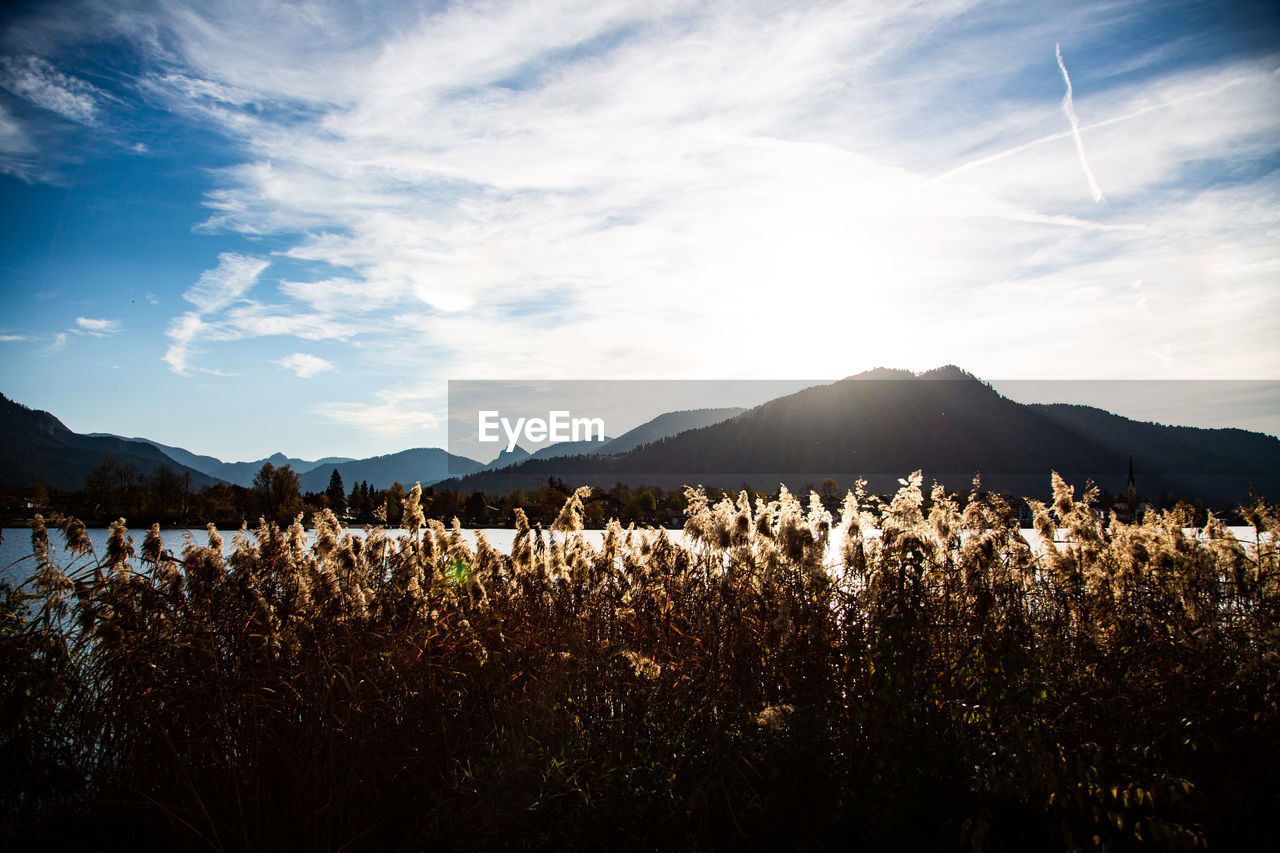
(305, 365)
(96, 327)
(58, 344)
(13, 140)
(619, 189)
(182, 331)
(16, 148)
(225, 312)
(687, 181)
(37, 81)
(217, 288)
(396, 414)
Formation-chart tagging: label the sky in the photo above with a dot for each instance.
(243, 227)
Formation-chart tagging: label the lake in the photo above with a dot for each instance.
(17, 564)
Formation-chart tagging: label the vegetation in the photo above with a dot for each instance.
(935, 683)
(114, 489)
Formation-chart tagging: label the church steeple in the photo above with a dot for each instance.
(1126, 507)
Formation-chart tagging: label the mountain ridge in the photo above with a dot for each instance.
(884, 423)
(39, 446)
(425, 465)
(880, 424)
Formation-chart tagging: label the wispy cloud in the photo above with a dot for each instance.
(215, 290)
(224, 312)
(12, 136)
(96, 327)
(56, 345)
(588, 154)
(16, 148)
(395, 414)
(305, 365)
(893, 179)
(37, 81)
(1069, 107)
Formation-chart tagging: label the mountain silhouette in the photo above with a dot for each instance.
(39, 446)
(425, 465)
(883, 424)
(666, 425)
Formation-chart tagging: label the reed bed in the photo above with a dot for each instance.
(936, 683)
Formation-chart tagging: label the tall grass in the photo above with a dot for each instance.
(936, 683)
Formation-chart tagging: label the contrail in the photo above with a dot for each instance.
(1069, 108)
(1054, 137)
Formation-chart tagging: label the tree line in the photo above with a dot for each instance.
(116, 489)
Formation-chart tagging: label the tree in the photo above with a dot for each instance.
(39, 493)
(476, 509)
(394, 498)
(830, 495)
(336, 493)
(359, 503)
(107, 487)
(277, 492)
(170, 492)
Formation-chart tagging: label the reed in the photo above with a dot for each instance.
(934, 681)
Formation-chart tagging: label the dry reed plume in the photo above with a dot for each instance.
(931, 681)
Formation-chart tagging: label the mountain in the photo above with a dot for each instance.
(242, 473)
(425, 465)
(507, 457)
(1177, 458)
(203, 464)
(38, 445)
(879, 425)
(569, 448)
(884, 424)
(666, 425)
(662, 426)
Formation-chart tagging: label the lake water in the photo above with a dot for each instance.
(17, 564)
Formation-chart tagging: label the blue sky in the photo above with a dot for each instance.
(242, 227)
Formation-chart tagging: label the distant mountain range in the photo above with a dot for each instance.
(36, 445)
(663, 426)
(425, 465)
(239, 473)
(879, 425)
(420, 464)
(63, 459)
(513, 456)
(884, 424)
